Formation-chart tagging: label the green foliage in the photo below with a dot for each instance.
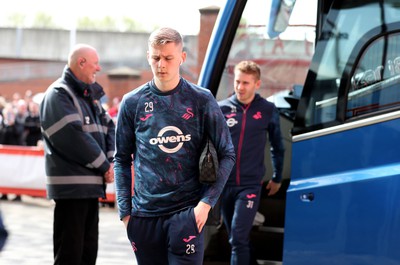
(16, 20)
(124, 24)
(107, 23)
(43, 20)
(128, 24)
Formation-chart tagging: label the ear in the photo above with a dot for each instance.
(258, 84)
(183, 57)
(82, 61)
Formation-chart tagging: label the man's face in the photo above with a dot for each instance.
(245, 86)
(165, 61)
(89, 67)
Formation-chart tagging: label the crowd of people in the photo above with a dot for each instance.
(19, 120)
(19, 123)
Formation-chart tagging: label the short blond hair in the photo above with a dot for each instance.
(165, 35)
(249, 67)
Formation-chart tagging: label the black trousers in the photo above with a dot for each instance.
(76, 231)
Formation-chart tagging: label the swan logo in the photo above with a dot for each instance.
(179, 139)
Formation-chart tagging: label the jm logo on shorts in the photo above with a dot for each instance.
(162, 140)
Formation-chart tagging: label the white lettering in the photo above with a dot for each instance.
(190, 249)
(372, 76)
(250, 204)
(179, 138)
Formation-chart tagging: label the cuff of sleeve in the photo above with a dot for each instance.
(277, 179)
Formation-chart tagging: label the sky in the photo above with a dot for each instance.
(182, 15)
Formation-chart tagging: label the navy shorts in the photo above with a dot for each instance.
(170, 239)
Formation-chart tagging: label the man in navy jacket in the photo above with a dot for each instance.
(79, 147)
(252, 120)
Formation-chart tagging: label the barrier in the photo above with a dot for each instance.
(22, 172)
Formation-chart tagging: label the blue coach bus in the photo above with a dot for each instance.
(340, 79)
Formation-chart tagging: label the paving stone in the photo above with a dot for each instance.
(30, 224)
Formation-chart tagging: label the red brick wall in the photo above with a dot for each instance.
(7, 89)
(207, 22)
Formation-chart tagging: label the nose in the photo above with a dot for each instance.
(160, 63)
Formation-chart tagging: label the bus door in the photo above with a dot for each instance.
(342, 201)
(244, 30)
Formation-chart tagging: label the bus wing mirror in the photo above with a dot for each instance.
(279, 16)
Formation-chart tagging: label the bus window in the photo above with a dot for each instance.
(284, 60)
(374, 85)
(342, 41)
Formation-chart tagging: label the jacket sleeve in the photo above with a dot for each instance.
(125, 143)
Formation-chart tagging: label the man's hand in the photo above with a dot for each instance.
(201, 214)
(273, 187)
(125, 220)
(109, 175)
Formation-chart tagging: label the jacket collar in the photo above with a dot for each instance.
(234, 99)
(83, 89)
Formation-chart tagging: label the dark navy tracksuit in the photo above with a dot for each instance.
(163, 133)
(251, 126)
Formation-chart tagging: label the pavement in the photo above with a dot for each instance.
(30, 226)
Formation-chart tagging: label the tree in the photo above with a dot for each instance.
(128, 24)
(16, 20)
(43, 20)
(108, 23)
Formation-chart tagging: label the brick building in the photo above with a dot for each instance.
(23, 72)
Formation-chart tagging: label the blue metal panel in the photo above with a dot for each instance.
(342, 203)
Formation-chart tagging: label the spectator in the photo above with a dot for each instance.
(15, 98)
(9, 121)
(28, 97)
(2, 124)
(14, 120)
(113, 111)
(33, 133)
(19, 124)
